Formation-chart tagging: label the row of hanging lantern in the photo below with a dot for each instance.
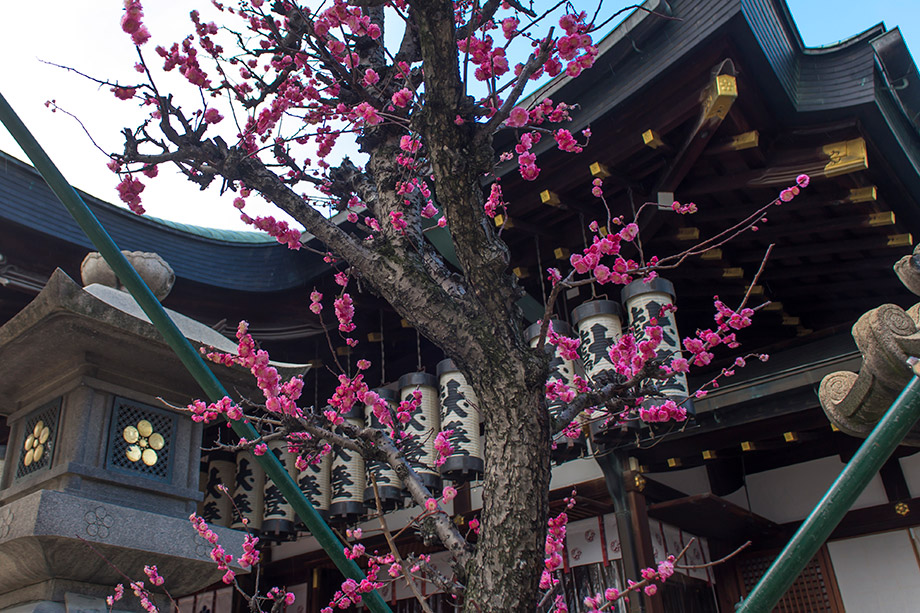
(600, 325)
(339, 486)
(254, 502)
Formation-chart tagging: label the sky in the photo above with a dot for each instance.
(86, 36)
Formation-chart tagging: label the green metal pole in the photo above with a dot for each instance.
(180, 345)
(862, 467)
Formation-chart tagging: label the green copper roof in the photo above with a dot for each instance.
(233, 236)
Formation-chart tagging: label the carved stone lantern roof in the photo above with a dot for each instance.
(95, 452)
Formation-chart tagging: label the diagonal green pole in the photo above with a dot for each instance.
(180, 345)
(857, 474)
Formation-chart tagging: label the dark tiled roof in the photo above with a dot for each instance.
(226, 259)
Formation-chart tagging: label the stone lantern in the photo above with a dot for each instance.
(96, 458)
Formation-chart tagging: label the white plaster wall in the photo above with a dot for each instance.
(575, 471)
(690, 481)
(877, 573)
(910, 465)
(790, 493)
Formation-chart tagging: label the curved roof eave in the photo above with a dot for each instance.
(797, 79)
(225, 259)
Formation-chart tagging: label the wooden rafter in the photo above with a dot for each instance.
(831, 160)
(716, 100)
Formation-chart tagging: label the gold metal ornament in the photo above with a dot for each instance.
(144, 443)
(156, 441)
(34, 445)
(149, 457)
(133, 453)
(144, 428)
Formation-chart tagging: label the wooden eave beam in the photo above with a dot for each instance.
(715, 100)
(893, 241)
(828, 161)
(739, 142)
(880, 265)
(781, 228)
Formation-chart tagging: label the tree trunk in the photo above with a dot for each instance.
(504, 573)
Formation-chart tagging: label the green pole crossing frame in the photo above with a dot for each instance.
(850, 483)
(180, 345)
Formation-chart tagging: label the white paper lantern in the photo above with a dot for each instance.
(388, 485)
(424, 426)
(348, 476)
(459, 413)
(279, 519)
(643, 303)
(563, 370)
(599, 324)
(315, 483)
(248, 496)
(216, 508)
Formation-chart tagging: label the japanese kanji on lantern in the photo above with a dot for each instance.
(315, 482)
(561, 370)
(249, 494)
(217, 508)
(423, 426)
(348, 476)
(600, 325)
(388, 486)
(643, 301)
(279, 520)
(460, 418)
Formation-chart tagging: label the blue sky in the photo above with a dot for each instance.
(85, 35)
(826, 21)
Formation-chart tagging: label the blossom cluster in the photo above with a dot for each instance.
(555, 545)
(443, 446)
(131, 22)
(279, 397)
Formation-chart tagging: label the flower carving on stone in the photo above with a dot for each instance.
(36, 443)
(143, 443)
(6, 521)
(98, 522)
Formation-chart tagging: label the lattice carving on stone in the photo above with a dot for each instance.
(38, 439)
(141, 439)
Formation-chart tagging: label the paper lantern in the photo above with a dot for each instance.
(388, 485)
(249, 495)
(315, 484)
(217, 508)
(563, 370)
(643, 303)
(459, 413)
(423, 427)
(348, 476)
(278, 519)
(599, 324)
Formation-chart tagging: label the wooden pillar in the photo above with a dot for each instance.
(632, 524)
(642, 536)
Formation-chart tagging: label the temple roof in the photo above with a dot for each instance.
(248, 261)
